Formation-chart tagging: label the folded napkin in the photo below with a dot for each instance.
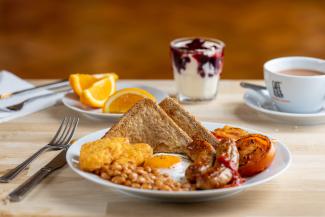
(11, 83)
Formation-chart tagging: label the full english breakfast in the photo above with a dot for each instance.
(164, 147)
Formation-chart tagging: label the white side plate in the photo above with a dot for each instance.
(71, 101)
(280, 164)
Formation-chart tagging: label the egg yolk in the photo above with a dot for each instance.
(162, 161)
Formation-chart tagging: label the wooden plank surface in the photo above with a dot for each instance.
(300, 191)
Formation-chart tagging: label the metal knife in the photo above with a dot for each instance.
(19, 193)
(55, 84)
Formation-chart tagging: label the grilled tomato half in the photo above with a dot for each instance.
(256, 154)
(228, 132)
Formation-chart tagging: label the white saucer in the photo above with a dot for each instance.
(71, 101)
(279, 165)
(262, 103)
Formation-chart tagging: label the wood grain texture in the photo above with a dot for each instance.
(51, 39)
(300, 191)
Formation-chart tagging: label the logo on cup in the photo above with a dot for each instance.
(277, 89)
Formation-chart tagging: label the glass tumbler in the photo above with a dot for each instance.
(197, 64)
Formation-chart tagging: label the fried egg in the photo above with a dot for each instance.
(174, 165)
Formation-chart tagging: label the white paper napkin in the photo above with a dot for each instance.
(10, 83)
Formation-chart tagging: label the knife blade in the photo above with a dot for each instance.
(19, 193)
(52, 85)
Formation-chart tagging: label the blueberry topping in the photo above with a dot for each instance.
(195, 44)
(179, 60)
(180, 56)
(204, 59)
(202, 74)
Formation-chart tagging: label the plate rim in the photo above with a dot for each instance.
(278, 113)
(64, 101)
(113, 186)
(108, 115)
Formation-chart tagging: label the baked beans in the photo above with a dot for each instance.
(143, 177)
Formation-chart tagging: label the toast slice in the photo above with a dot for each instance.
(187, 122)
(147, 123)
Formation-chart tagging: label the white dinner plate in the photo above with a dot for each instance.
(262, 103)
(72, 101)
(280, 164)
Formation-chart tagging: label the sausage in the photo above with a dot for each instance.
(227, 149)
(224, 169)
(214, 177)
(202, 154)
(212, 168)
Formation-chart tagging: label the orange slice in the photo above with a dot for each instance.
(104, 75)
(80, 82)
(96, 95)
(121, 101)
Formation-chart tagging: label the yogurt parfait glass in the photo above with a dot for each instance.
(197, 64)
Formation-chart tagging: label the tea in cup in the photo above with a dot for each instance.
(296, 84)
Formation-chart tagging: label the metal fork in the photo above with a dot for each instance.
(60, 140)
(19, 106)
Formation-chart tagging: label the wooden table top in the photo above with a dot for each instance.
(300, 191)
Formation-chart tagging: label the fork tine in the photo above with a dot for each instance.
(58, 131)
(64, 132)
(71, 133)
(67, 132)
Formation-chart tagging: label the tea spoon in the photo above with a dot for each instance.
(262, 92)
(252, 86)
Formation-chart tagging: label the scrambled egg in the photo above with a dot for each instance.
(94, 155)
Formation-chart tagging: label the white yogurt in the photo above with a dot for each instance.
(190, 84)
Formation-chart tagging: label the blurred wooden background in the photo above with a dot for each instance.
(51, 39)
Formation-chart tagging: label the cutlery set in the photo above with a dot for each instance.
(60, 141)
(61, 86)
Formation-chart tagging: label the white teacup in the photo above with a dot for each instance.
(296, 93)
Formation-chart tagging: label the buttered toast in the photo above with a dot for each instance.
(187, 122)
(147, 123)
